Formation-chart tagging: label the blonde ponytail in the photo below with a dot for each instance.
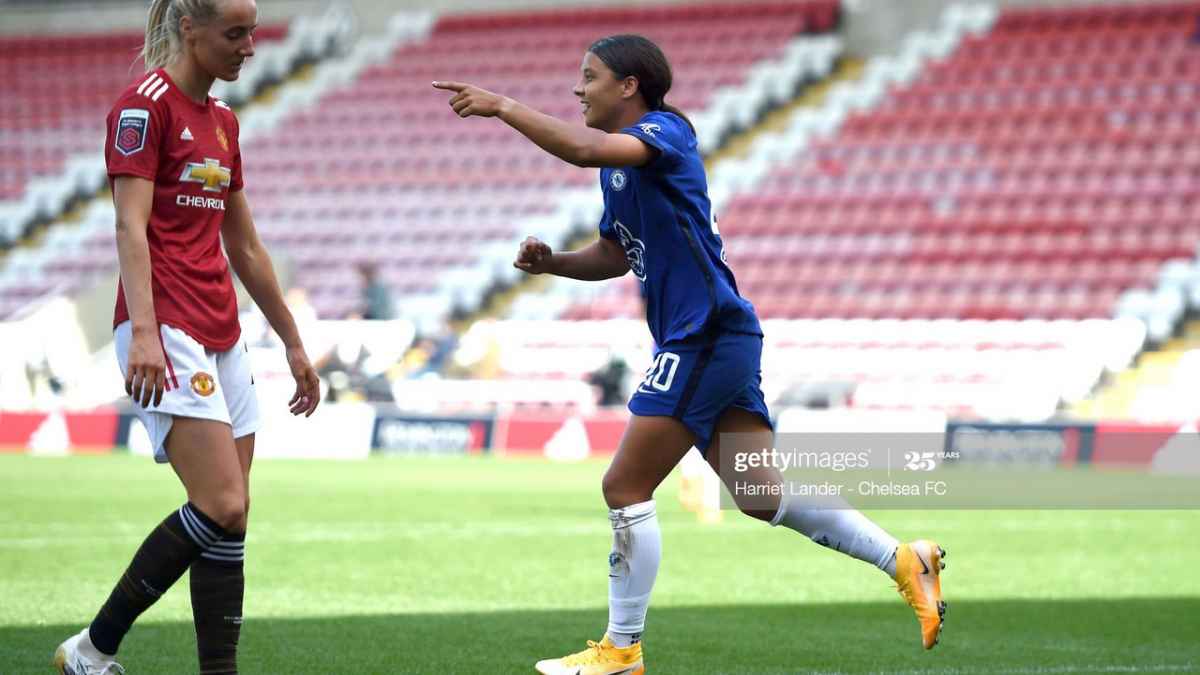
(162, 42)
(156, 52)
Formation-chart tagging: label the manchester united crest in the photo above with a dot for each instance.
(203, 384)
(222, 139)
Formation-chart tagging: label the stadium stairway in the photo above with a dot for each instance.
(916, 192)
(736, 145)
(998, 376)
(741, 146)
(769, 82)
(775, 146)
(1163, 384)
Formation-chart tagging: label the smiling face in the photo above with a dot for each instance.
(220, 47)
(603, 96)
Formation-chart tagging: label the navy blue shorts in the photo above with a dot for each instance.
(697, 380)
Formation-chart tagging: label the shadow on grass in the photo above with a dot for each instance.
(1052, 636)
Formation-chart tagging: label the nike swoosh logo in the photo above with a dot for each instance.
(924, 567)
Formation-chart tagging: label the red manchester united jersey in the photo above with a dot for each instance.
(190, 151)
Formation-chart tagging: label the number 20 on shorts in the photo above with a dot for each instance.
(661, 374)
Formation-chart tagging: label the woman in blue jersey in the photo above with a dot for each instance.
(704, 380)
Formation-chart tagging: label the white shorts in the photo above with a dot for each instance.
(201, 383)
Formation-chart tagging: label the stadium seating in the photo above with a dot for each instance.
(401, 193)
(60, 87)
(1041, 169)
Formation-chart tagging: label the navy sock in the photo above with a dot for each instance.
(171, 548)
(218, 584)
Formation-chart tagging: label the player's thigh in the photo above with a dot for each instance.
(739, 432)
(204, 456)
(649, 449)
(241, 398)
(245, 453)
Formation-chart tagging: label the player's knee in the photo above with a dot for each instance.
(228, 510)
(619, 493)
(610, 486)
(757, 513)
(761, 508)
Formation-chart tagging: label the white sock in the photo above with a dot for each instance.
(632, 567)
(837, 525)
(90, 651)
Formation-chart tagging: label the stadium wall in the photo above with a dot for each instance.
(872, 25)
(358, 430)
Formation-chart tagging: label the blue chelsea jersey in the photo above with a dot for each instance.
(661, 216)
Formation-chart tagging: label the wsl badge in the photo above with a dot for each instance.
(131, 131)
(619, 180)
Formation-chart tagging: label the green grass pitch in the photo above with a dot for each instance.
(482, 565)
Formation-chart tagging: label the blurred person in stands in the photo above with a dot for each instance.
(257, 330)
(609, 379)
(299, 305)
(704, 382)
(377, 297)
(175, 169)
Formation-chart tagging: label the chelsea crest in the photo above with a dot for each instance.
(618, 180)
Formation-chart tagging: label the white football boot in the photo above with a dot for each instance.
(78, 656)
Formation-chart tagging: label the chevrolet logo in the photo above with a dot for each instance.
(211, 174)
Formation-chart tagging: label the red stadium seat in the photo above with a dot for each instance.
(1081, 125)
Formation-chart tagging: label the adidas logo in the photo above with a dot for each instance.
(186, 135)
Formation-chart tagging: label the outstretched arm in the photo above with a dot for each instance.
(577, 145)
(250, 260)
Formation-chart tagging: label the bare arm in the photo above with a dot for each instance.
(146, 366)
(252, 264)
(132, 198)
(577, 145)
(599, 260)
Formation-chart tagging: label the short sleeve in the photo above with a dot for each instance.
(666, 133)
(135, 131)
(606, 227)
(235, 181)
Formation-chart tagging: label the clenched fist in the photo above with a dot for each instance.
(534, 256)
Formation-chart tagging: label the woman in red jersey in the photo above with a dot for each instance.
(175, 168)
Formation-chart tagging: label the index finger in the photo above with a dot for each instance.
(450, 86)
